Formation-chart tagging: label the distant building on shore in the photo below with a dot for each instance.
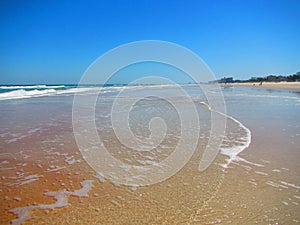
(226, 80)
(270, 78)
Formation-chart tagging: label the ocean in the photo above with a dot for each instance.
(136, 160)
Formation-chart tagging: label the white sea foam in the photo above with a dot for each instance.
(56, 168)
(70, 160)
(261, 173)
(61, 197)
(8, 168)
(100, 177)
(296, 196)
(276, 185)
(41, 86)
(78, 90)
(28, 181)
(23, 180)
(13, 137)
(290, 185)
(18, 94)
(252, 182)
(23, 93)
(232, 152)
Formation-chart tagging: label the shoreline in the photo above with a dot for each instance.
(289, 85)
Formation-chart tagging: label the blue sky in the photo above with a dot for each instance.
(55, 41)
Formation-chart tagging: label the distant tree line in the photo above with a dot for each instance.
(270, 78)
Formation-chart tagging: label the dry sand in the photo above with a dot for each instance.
(292, 85)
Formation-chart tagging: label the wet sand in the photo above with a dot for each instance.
(243, 193)
(266, 193)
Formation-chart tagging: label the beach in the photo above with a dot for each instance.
(290, 85)
(150, 112)
(46, 179)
